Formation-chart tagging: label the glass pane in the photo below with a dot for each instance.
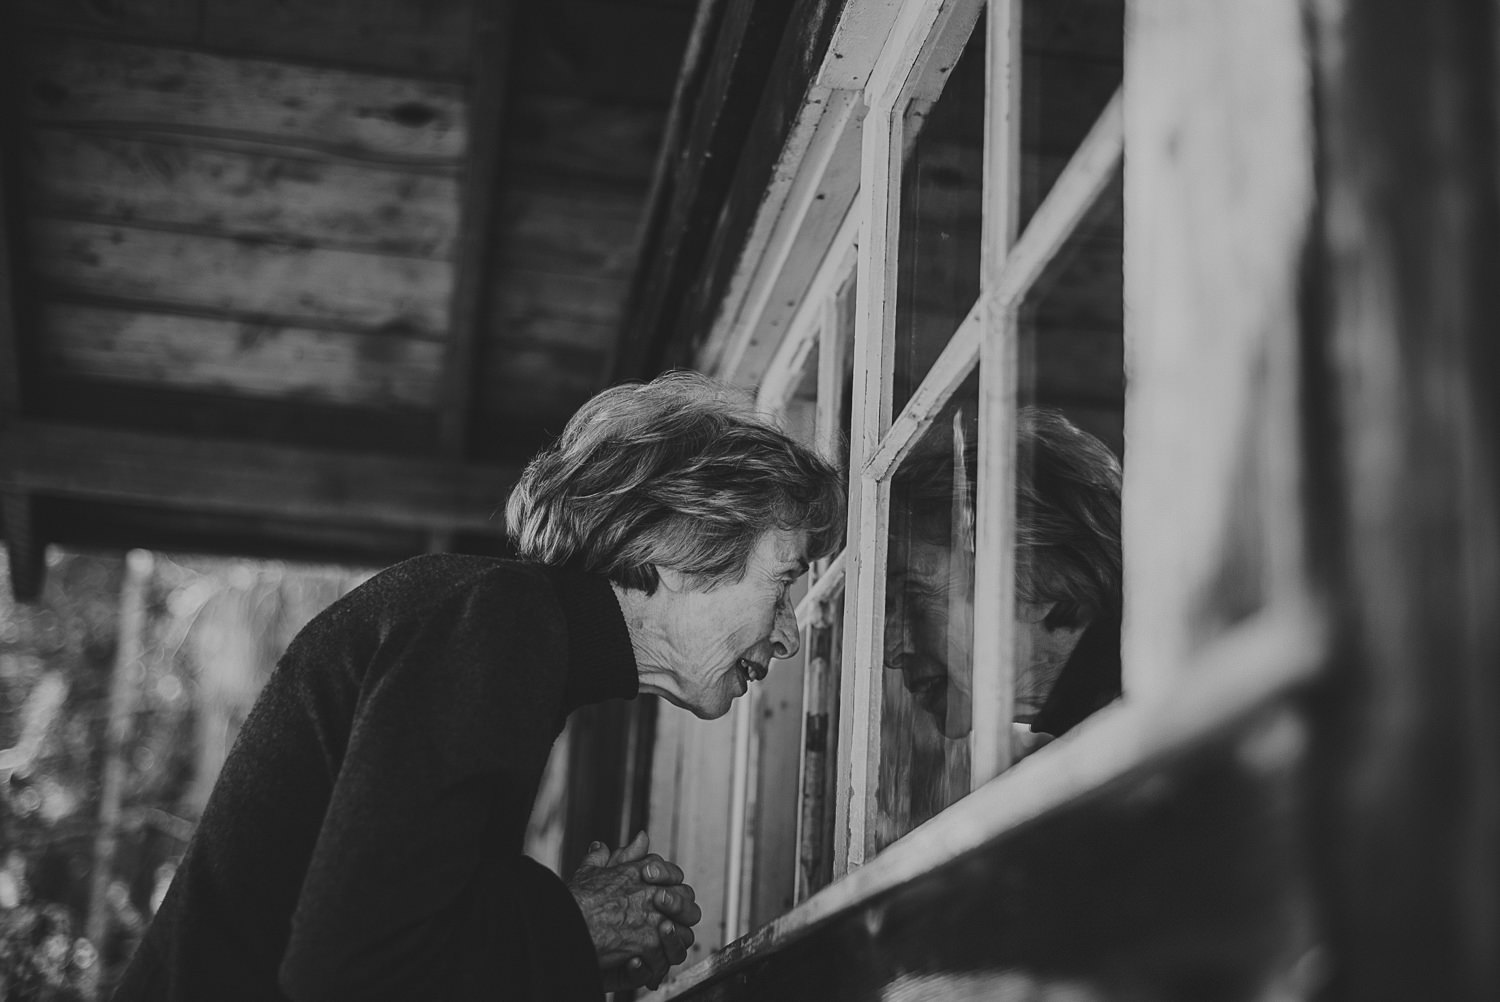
(1071, 63)
(941, 216)
(801, 417)
(929, 623)
(771, 849)
(1070, 440)
(822, 643)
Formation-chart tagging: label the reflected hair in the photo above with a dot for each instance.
(1067, 513)
(680, 473)
(1067, 519)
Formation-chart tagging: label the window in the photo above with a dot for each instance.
(962, 219)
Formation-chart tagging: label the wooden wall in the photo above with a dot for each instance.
(224, 201)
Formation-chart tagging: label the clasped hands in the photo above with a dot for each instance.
(638, 910)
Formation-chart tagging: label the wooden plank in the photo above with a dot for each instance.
(814, 325)
(994, 661)
(603, 50)
(869, 506)
(287, 420)
(479, 222)
(194, 474)
(405, 36)
(293, 284)
(749, 37)
(1248, 676)
(779, 123)
(1405, 529)
(577, 227)
(528, 298)
(25, 546)
(156, 20)
(539, 382)
(1219, 204)
(215, 355)
(251, 193)
(10, 325)
(792, 244)
(570, 138)
(119, 86)
(95, 525)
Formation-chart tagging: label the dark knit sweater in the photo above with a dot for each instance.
(364, 838)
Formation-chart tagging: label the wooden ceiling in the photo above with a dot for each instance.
(310, 278)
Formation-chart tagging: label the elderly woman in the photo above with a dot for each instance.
(364, 839)
(1067, 581)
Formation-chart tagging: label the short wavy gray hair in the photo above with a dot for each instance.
(1067, 513)
(680, 472)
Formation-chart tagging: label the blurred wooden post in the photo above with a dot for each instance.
(1407, 313)
(122, 695)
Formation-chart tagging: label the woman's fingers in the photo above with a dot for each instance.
(632, 851)
(677, 903)
(598, 855)
(655, 870)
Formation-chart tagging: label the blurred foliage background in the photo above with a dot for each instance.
(121, 691)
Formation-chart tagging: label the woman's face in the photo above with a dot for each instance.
(700, 647)
(929, 630)
(929, 626)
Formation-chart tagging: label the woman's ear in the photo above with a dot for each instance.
(672, 579)
(1033, 612)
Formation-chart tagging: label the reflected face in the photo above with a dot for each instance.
(929, 629)
(700, 647)
(929, 623)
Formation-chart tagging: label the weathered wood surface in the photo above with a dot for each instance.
(211, 354)
(479, 223)
(540, 381)
(192, 474)
(549, 299)
(576, 48)
(25, 546)
(423, 36)
(1403, 354)
(581, 228)
(720, 116)
(573, 138)
(158, 20)
(1219, 191)
(211, 415)
(100, 525)
(119, 86)
(182, 183)
(255, 279)
(1182, 881)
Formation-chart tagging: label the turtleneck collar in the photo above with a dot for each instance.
(601, 661)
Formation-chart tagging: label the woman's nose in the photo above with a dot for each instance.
(786, 639)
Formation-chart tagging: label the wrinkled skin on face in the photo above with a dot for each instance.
(929, 627)
(699, 646)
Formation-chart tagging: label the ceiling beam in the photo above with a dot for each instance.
(192, 474)
(25, 547)
(478, 220)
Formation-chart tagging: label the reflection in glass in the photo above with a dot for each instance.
(819, 739)
(1067, 617)
(942, 184)
(1072, 61)
(929, 623)
(1070, 433)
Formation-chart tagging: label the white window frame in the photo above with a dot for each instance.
(861, 90)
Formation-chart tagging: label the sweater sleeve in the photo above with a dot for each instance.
(416, 887)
